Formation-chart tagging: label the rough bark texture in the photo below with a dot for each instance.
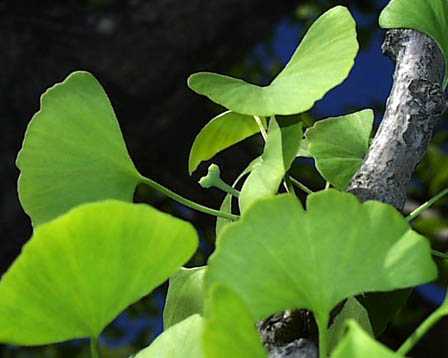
(413, 109)
(415, 106)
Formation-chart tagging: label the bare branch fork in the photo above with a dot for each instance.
(415, 106)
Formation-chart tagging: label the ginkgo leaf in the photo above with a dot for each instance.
(279, 152)
(220, 133)
(73, 151)
(229, 329)
(185, 295)
(429, 17)
(183, 340)
(291, 258)
(322, 61)
(79, 271)
(358, 344)
(339, 145)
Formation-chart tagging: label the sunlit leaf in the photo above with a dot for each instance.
(292, 258)
(358, 344)
(220, 133)
(79, 271)
(185, 295)
(352, 310)
(322, 61)
(339, 145)
(229, 329)
(279, 152)
(429, 17)
(183, 340)
(73, 151)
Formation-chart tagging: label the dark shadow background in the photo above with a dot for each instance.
(142, 52)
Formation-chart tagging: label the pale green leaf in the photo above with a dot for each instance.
(73, 151)
(358, 344)
(220, 133)
(183, 340)
(322, 61)
(352, 310)
(185, 295)
(229, 329)
(79, 271)
(339, 145)
(428, 16)
(279, 152)
(278, 256)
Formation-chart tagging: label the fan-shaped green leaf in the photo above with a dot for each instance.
(322, 61)
(339, 145)
(73, 151)
(279, 152)
(358, 344)
(185, 295)
(278, 256)
(79, 271)
(429, 17)
(183, 340)
(220, 133)
(229, 329)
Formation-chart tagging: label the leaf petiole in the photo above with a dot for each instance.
(94, 348)
(299, 185)
(426, 205)
(264, 134)
(439, 254)
(184, 201)
(424, 327)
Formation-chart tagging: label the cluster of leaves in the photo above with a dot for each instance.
(93, 252)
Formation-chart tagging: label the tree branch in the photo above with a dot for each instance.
(414, 107)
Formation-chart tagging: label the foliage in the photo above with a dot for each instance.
(324, 58)
(93, 252)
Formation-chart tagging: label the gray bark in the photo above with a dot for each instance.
(414, 107)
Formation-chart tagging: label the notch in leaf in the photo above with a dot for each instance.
(294, 261)
(79, 271)
(322, 61)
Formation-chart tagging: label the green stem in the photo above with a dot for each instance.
(424, 327)
(94, 348)
(426, 205)
(299, 185)
(439, 254)
(327, 185)
(322, 325)
(264, 134)
(184, 201)
(227, 188)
